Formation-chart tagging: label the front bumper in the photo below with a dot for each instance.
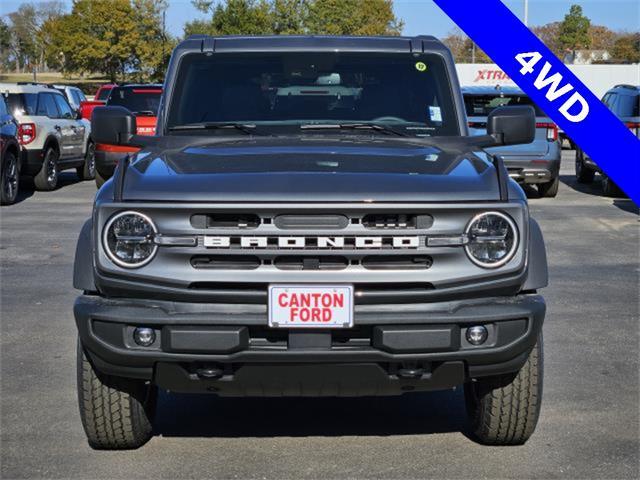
(391, 349)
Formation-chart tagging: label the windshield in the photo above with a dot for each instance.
(482, 105)
(408, 92)
(103, 93)
(142, 101)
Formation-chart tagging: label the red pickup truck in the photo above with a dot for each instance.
(143, 101)
(99, 99)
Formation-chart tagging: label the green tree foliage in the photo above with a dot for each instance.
(120, 38)
(573, 33)
(626, 48)
(262, 17)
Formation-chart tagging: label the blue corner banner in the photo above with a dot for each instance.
(554, 88)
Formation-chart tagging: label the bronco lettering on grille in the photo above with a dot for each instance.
(311, 242)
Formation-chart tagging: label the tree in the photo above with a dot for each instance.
(352, 17)
(601, 38)
(332, 17)
(463, 48)
(5, 45)
(573, 33)
(549, 35)
(626, 48)
(119, 38)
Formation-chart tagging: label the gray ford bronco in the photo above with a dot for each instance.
(311, 218)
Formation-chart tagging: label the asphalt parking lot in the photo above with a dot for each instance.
(589, 426)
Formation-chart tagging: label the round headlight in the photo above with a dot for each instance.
(128, 239)
(493, 239)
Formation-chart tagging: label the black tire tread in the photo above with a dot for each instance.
(40, 179)
(549, 189)
(584, 175)
(112, 409)
(506, 408)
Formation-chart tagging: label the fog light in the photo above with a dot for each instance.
(477, 335)
(144, 336)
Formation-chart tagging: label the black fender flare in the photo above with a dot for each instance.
(538, 272)
(51, 141)
(83, 278)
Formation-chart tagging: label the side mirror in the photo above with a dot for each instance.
(512, 125)
(113, 125)
(78, 114)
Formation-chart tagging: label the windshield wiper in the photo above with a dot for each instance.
(243, 127)
(353, 126)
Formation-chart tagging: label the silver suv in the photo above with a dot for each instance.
(536, 163)
(624, 102)
(51, 134)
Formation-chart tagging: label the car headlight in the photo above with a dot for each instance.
(128, 239)
(493, 239)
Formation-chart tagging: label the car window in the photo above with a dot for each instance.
(47, 106)
(296, 88)
(3, 106)
(103, 94)
(22, 103)
(628, 105)
(611, 102)
(138, 100)
(606, 98)
(482, 105)
(78, 96)
(63, 107)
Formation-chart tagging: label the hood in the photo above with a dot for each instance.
(310, 169)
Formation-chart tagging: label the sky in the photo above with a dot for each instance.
(424, 17)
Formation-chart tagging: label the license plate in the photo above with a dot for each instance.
(316, 306)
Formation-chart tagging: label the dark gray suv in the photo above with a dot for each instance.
(624, 102)
(311, 218)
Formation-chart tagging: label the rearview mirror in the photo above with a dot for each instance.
(512, 125)
(113, 125)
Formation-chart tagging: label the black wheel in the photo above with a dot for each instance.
(504, 410)
(10, 179)
(609, 187)
(99, 179)
(583, 174)
(88, 170)
(549, 189)
(47, 177)
(116, 413)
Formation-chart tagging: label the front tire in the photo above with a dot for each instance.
(10, 179)
(504, 409)
(549, 189)
(88, 169)
(609, 187)
(47, 177)
(583, 174)
(116, 413)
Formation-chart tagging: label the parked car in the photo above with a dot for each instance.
(99, 99)
(537, 163)
(624, 102)
(143, 101)
(74, 95)
(52, 136)
(311, 218)
(10, 155)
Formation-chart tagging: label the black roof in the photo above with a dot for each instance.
(243, 43)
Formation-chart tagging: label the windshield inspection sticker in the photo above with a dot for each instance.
(421, 66)
(435, 114)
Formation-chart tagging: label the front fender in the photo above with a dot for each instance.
(83, 265)
(538, 274)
